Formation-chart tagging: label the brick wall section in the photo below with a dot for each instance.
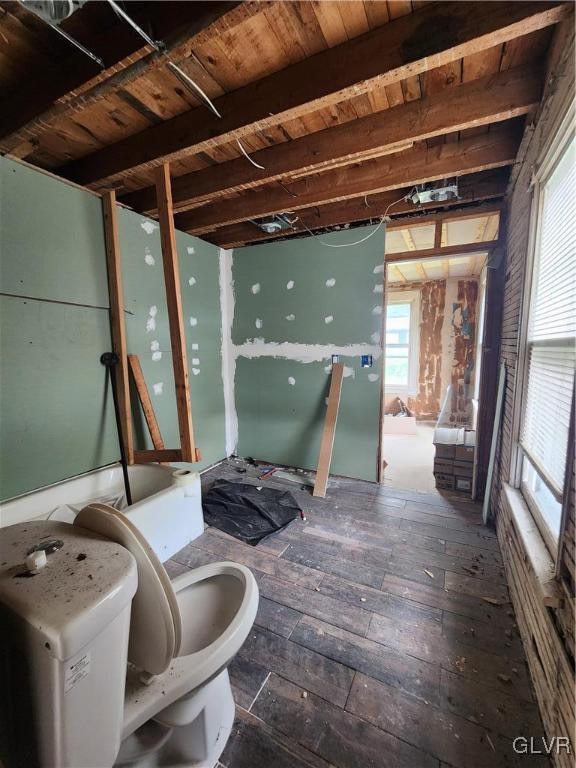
(548, 634)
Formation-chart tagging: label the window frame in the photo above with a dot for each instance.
(412, 298)
(545, 167)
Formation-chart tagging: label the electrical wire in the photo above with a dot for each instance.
(363, 240)
(344, 245)
(158, 45)
(187, 80)
(65, 35)
(247, 156)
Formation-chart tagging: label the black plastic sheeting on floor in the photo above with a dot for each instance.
(246, 512)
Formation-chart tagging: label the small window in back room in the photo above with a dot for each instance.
(401, 343)
(551, 350)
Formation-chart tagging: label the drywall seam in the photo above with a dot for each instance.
(303, 353)
(226, 283)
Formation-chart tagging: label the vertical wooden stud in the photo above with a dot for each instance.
(117, 319)
(175, 317)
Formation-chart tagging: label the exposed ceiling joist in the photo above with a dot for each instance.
(122, 50)
(476, 187)
(480, 212)
(435, 253)
(492, 150)
(487, 100)
(435, 34)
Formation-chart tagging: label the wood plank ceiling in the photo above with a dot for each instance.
(344, 105)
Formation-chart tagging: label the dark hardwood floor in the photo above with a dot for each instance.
(384, 637)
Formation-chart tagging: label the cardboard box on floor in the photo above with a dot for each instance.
(454, 460)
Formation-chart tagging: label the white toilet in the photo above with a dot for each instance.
(101, 606)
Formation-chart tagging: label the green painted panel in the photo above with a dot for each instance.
(282, 422)
(148, 332)
(55, 421)
(51, 238)
(348, 299)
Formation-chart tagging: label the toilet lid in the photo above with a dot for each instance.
(155, 626)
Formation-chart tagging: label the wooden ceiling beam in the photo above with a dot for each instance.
(35, 104)
(492, 150)
(440, 253)
(487, 100)
(482, 211)
(475, 187)
(435, 34)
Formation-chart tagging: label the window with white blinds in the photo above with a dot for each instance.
(551, 352)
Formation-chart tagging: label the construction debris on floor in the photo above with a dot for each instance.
(248, 512)
(385, 635)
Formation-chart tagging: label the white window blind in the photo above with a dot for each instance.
(552, 327)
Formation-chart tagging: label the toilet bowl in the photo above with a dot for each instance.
(178, 706)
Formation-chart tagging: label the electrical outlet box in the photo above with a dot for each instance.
(335, 359)
(366, 361)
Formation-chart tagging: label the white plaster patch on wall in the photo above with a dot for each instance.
(289, 285)
(378, 268)
(155, 349)
(195, 361)
(328, 319)
(373, 377)
(377, 310)
(158, 387)
(290, 318)
(148, 258)
(193, 321)
(327, 369)
(258, 340)
(151, 319)
(376, 337)
(191, 281)
(258, 322)
(303, 353)
(291, 381)
(195, 346)
(190, 249)
(330, 283)
(226, 283)
(255, 288)
(326, 400)
(195, 371)
(149, 226)
(378, 288)
(348, 372)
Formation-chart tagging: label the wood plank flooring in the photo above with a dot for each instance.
(384, 637)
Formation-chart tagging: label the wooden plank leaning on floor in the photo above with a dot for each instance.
(146, 402)
(175, 319)
(117, 319)
(327, 443)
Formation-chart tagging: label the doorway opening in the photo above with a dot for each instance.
(433, 323)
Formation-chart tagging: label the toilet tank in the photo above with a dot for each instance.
(63, 646)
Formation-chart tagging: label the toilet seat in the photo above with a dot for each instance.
(162, 611)
(155, 625)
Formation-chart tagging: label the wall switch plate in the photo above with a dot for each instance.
(335, 359)
(366, 361)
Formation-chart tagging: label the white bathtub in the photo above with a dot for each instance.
(166, 503)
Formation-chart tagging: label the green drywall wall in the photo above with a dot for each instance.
(148, 335)
(51, 238)
(308, 264)
(54, 419)
(280, 421)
